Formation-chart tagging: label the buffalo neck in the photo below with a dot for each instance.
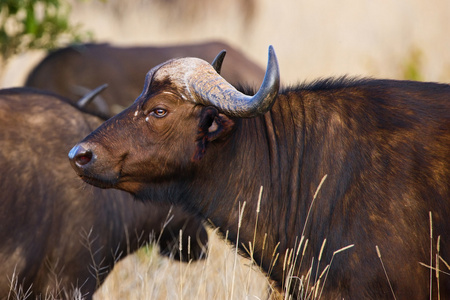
(265, 152)
(299, 144)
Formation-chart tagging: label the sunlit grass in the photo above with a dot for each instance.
(147, 275)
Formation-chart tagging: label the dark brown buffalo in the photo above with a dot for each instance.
(384, 145)
(73, 71)
(61, 236)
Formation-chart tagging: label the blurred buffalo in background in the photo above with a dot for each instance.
(75, 70)
(61, 237)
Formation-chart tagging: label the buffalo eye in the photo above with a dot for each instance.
(159, 112)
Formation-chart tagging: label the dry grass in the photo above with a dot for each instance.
(146, 275)
(224, 274)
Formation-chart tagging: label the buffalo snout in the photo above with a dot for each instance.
(84, 160)
(80, 156)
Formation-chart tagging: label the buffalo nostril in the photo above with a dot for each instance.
(80, 155)
(83, 158)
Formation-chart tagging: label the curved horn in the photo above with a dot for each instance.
(218, 92)
(217, 62)
(91, 96)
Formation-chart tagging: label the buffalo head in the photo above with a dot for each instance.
(185, 107)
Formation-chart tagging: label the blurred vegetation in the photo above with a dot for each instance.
(36, 24)
(413, 65)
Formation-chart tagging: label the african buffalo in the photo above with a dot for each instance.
(74, 70)
(61, 237)
(193, 139)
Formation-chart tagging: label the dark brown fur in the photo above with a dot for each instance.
(384, 146)
(51, 222)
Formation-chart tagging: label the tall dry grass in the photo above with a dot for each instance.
(225, 274)
(222, 275)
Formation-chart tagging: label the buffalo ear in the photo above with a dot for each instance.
(212, 126)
